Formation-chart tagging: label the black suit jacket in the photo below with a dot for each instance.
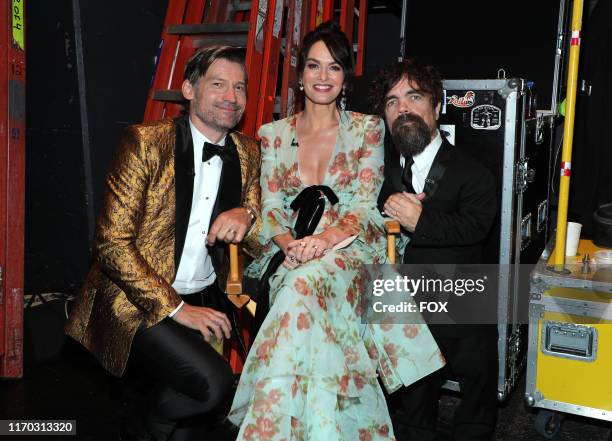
(458, 213)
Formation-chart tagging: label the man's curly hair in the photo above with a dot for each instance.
(424, 78)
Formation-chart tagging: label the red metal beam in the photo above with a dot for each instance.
(254, 64)
(4, 57)
(12, 189)
(361, 36)
(347, 15)
(328, 10)
(269, 76)
(315, 13)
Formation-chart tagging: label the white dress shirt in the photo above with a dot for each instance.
(422, 163)
(195, 271)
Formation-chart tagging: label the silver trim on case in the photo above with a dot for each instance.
(511, 90)
(574, 409)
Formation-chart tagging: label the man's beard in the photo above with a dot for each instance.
(410, 134)
(214, 118)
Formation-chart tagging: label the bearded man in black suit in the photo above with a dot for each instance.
(445, 202)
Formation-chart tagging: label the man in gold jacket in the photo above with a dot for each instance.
(177, 192)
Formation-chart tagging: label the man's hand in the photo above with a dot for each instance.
(405, 208)
(230, 226)
(204, 320)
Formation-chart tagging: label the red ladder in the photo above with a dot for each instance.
(275, 31)
(190, 25)
(12, 185)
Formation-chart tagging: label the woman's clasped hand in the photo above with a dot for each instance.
(305, 249)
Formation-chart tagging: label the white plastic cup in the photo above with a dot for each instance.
(572, 239)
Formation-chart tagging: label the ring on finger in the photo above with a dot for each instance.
(302, 244)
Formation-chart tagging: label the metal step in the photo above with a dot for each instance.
(209, 28)
(238, 40)
(169, 96)
(240, 6)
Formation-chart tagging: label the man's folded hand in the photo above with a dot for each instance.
(230, 226)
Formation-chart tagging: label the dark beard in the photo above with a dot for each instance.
(410, 134)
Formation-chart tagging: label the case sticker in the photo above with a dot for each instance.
(262, 13)
(278, 18)
(290, 101)
(462, 101)
(297, 22)
(485, 117)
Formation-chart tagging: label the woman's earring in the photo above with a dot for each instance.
(343, 99)
(301, 86)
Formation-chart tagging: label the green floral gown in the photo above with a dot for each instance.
(311, 373)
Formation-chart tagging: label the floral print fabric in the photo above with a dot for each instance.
(311, 373)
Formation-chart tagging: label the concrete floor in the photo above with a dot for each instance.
(74, 387)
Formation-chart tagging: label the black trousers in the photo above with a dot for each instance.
(472, 361)
(190, 377)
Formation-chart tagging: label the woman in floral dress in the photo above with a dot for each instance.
(311, 373)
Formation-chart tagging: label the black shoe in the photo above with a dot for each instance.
(189, 433)
(132, 429)
(135, 428)
(223, 430)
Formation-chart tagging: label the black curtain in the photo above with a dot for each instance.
(119, 42)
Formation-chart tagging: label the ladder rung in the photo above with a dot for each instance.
(240, 6)
(228, 40)
(209, 28)
(171, 96)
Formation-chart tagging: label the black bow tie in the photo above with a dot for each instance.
(211, 150)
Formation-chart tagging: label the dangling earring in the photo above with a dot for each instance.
(301, 85)
(343, 99)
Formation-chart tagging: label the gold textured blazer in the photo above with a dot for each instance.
(141, 232)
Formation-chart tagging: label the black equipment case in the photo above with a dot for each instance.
(496, 122)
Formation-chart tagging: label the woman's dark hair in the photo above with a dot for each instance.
(338, 46)
(200, 62)
(424, 78)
